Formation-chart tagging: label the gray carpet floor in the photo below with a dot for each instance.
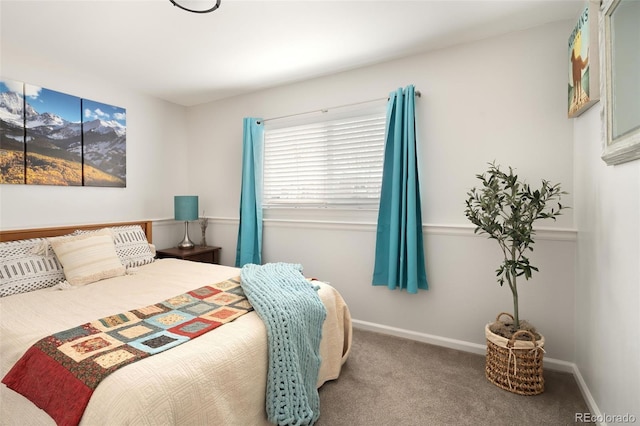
(394, 381)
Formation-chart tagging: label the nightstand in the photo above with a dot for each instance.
(206, 254)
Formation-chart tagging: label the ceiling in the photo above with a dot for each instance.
(153, 47)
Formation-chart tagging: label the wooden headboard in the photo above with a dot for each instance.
(23, 234)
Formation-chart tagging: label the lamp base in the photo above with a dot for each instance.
(186, 242)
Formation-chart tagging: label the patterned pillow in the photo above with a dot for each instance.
(132, 246)
(22, 270)
(88, 258)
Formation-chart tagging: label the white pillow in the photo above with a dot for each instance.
(22, 269)
(87, 258)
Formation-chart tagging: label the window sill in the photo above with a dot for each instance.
(321, 214)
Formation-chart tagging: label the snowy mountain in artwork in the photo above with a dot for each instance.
(50, 134)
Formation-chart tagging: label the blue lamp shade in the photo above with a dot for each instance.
(185, 207)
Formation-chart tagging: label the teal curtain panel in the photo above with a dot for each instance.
(399, 256)
(249, 247)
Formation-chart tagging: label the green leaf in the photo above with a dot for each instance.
(506, 208)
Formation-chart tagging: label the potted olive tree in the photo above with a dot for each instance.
(505, 209)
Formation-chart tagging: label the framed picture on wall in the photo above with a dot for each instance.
(584, 64)
(620, 68)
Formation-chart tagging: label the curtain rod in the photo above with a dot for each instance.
(417, 93)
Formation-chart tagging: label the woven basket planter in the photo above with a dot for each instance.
(515, 365)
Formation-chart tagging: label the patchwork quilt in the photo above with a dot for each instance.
(60, 372)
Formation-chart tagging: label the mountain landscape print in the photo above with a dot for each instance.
(104, 130)
(12, 147)
(51, 138)
(54, 142)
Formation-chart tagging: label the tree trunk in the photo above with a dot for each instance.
(516, 317)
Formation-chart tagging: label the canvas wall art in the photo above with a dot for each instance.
(53, 143)
(52, 138)
(12, 156)
(104, 135)
(584, 65)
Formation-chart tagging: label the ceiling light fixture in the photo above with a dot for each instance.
(196, 6)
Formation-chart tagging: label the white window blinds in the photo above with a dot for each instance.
(329, 163)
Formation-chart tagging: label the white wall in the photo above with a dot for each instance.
(607, 216)
(156, 155)
(500, 99)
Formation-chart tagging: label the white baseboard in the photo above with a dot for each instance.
(550, 363)
(586, 394)
(421, 337)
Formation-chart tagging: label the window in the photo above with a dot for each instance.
(331, 161)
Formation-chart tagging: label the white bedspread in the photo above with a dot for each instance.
(216, 379)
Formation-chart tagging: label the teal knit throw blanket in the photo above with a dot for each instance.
(293, 315)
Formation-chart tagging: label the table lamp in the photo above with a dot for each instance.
(185, 208)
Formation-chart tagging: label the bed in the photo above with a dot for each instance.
(218, 378)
